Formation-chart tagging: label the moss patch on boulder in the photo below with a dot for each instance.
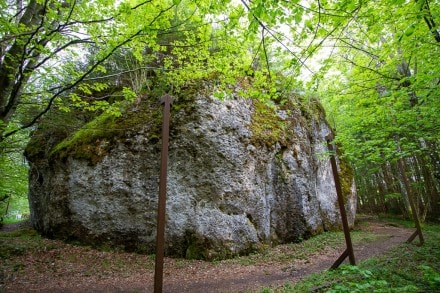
(93, 141)
(267, 127)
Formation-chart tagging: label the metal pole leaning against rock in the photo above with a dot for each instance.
(166, 100)
(349, 250)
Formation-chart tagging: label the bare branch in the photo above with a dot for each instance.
(264, 27)
(370, 69)
(429, 19)
(265, 53)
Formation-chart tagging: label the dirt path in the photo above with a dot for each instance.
(10, 227)
(63, 274)
(239, 279)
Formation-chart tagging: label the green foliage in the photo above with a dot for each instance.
(365, 281)
(13, 184)
(406, 268)
(379, 87)
(17, 206)
(431, 276)
(62, 53)
(13, 170)
(378, 81)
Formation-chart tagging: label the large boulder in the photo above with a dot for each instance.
(241, 174)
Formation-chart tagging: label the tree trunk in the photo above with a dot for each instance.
(16, 62)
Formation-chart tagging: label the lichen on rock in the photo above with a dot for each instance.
(242, 174)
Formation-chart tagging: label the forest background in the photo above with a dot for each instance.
(372, 64)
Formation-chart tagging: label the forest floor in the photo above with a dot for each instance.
(43, 265)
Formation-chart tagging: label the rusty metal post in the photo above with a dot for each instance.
(160, 236)
(349, 250)
(412, 204)
(417, 224)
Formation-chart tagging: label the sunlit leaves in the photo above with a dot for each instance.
(13, 170)
(386, 64)
(13, 167)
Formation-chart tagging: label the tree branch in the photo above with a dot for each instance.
(370, 69)
(429, 19)
(265, 53)
(82, 77)
(264, 27)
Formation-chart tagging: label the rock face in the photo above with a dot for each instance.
(235, 182)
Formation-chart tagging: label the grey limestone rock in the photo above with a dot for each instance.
(228, 193)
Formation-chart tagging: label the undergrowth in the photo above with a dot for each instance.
(406, 268)
(21, 242)
(306, 249)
